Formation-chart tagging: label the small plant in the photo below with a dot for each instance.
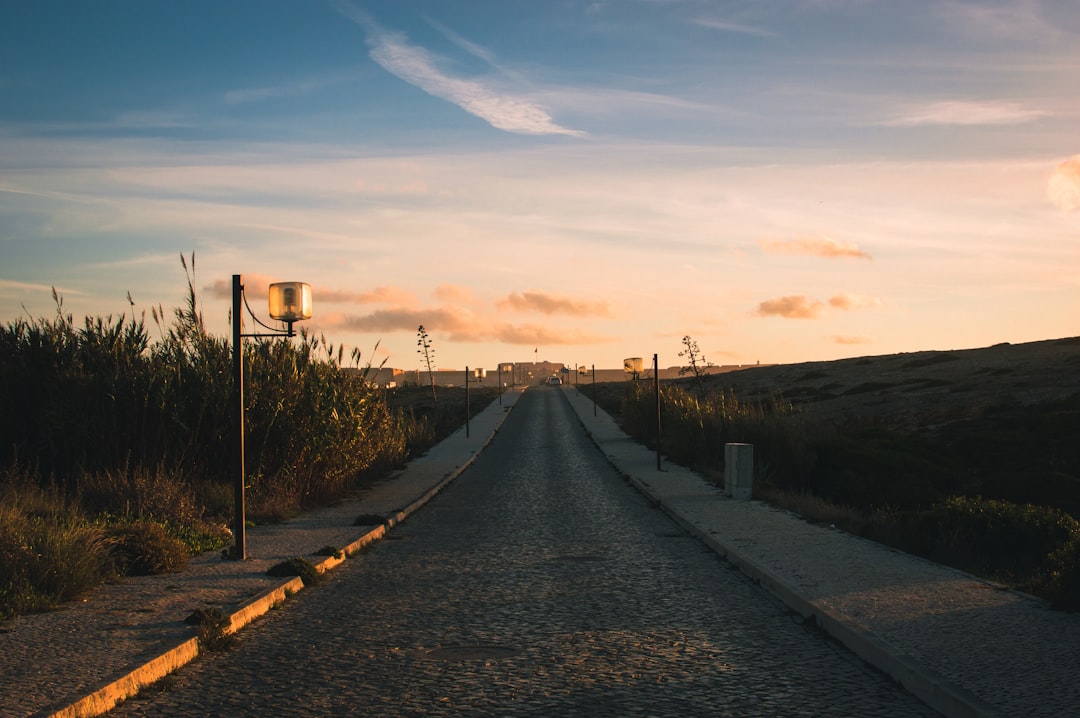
(698, 365)
(296, 566)
(213, 627)
(330, 551)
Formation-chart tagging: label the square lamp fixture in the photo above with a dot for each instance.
(290, 301)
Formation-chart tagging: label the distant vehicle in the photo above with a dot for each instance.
(554, 381)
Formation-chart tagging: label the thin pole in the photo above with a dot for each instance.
(594, 390)
(656, 382)
(467, 402)
(240, 549)
(500, 384)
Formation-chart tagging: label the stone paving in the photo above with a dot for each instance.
(966, 646)
(537, 584)
(81, 659)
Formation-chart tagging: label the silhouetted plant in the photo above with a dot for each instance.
(698, 365)
(427, 353)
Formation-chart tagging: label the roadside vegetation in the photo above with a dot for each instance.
(997, 494)
(115, 452)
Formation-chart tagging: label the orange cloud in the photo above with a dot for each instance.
(826, 247)
(853, 301)
(399, 319)
(458, 325)
(791, 307)
(549, 304)
(1063, 187)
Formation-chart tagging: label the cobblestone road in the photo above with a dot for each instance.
(538, 584)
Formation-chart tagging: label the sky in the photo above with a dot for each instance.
(575, 182)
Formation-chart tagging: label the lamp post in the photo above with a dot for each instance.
(289, 302)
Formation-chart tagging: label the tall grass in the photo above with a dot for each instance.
(695, 427)
(897, 489)
(119, 433)
(48, 552)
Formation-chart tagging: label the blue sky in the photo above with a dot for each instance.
(577, 181)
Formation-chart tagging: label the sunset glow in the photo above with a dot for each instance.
(576, 182)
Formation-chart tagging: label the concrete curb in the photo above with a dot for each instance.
(105, 699)
(927, 685)
(108, 697)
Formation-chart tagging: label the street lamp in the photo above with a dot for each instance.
(289, 302)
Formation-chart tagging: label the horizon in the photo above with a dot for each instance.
(580, 183)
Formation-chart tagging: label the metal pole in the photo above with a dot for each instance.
(656, 382)
(594, 390)
(466, 401)
(240, 549)
(500, 384)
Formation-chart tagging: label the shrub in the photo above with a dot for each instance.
(47, 556)
(144, 548)
(999, 538)
(332, 551)
(296, 566)
(1060, 582)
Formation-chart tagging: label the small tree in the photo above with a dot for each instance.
(427, 353)
(698, 365)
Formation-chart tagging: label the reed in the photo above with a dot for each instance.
(123, 440)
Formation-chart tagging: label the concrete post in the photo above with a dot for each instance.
(739, 471)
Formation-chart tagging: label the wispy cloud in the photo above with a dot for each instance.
(289, 89)
(1017, 20)
(814, 246)
(853, 301)
(533, 335)
(454, 293)
(736, 27)
(465, 44)
(6, 284)
(256, 286)
(460, 325)
(962, 112)
(798, 306)
(1063, 188)
(851, 340)
(502, 110)
(550, 304)
(441, 319)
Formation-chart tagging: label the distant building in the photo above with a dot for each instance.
(524, 374)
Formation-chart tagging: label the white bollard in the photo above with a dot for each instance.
(739, 471)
